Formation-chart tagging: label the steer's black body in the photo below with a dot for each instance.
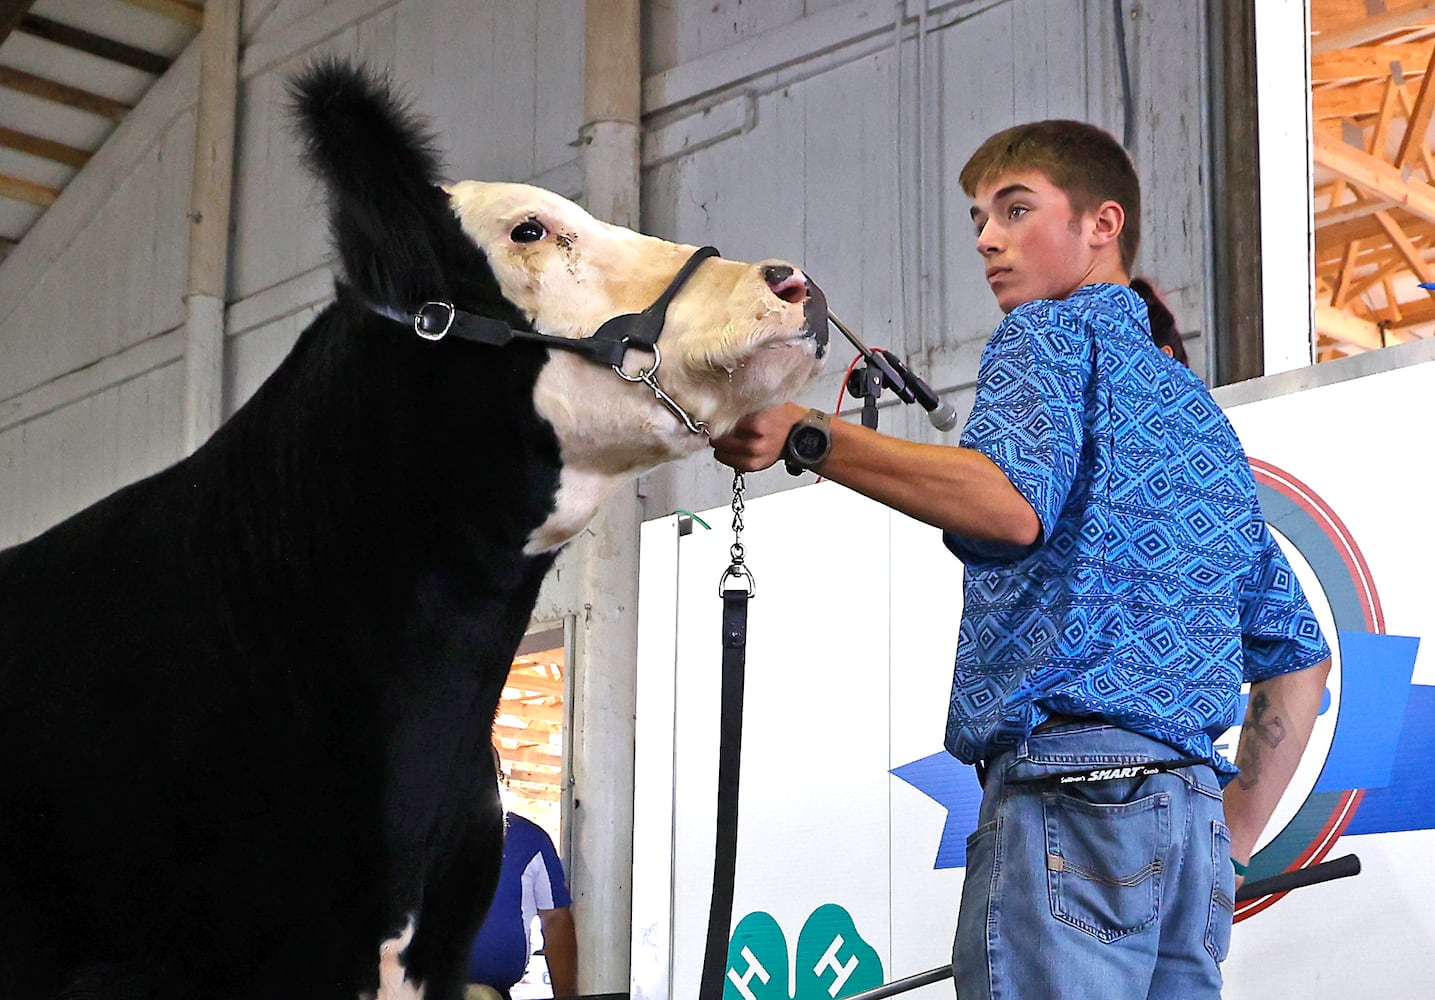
(245, 703)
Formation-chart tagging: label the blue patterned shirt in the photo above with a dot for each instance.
(1155, 586)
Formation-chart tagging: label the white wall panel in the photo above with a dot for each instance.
(811, 132)
(63, 460)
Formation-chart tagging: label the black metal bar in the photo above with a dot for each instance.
(1284, 882)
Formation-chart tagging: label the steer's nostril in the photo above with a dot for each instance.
(787, 283)
(776, 274)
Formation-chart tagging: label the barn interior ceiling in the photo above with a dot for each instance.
(70, 70)
(1372, 98)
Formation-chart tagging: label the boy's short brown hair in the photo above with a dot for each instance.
(1086, 162)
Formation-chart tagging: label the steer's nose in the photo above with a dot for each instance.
(786, 282)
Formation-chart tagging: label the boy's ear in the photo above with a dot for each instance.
(1109, 219)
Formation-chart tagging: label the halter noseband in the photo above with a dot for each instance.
(608, 345)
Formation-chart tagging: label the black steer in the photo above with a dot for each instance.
(247, 701)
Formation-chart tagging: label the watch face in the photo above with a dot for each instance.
(809, 443)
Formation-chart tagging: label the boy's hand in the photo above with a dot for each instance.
(755, 442)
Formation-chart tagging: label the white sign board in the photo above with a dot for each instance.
(853, 819)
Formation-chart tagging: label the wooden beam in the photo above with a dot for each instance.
(1354, 101)
(1375, 176)
(537, 735)
(1369, 62)
(1417, 122)
(1376, 144)
(1401, 242)
(1344, 278)
(18, 189)
(1342, 326)
(1350, 211)
(1415, 314)
(551, 715)
(50, 90)
(191, 14)
(95, 45)
(11, 14)
(1368, 29)
(525, 680)
(46, 149)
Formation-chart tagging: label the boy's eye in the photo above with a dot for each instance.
(1016, 211)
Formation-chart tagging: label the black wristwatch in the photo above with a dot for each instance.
(808, 442)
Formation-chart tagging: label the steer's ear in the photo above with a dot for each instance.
(392, 224)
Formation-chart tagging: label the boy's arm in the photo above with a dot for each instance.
(1278, 724)
(956, 489)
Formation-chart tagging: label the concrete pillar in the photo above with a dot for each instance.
(213, 178)
(606, 555)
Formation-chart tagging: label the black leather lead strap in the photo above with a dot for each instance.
(734, 664)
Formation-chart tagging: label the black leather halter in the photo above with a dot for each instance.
(609, 345)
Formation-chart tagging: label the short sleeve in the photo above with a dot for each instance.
(1029, 412)
(1279, 631)
(551, 892)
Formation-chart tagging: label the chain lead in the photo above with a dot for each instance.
(738, 569)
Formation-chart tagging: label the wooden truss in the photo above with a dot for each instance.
(1372, 99)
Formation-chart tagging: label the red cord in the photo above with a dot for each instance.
(843, 389)
(837, 413)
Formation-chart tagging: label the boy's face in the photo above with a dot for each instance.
(1034, 245)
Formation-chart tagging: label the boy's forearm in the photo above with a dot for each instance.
(1277, 727)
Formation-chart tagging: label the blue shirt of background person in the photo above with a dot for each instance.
(1155, 587)
(531, 881)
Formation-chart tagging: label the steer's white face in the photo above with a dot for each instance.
(738, 337)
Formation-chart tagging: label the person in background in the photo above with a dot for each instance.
(1163, 324)
(531, 883)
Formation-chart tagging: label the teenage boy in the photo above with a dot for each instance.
(1120, 582)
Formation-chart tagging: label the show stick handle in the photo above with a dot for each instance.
(1285, 881)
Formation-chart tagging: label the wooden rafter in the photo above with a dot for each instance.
(1349, 23)
(1368, 62)
(191, 14)
(19, 189)
(1413, 258)
(1417, 123)
(1339, 325)
(1375, 176)
(51, 90)
(93, 44)
(46, 149)
(11, 13)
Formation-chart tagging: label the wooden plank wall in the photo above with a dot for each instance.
(803, 130)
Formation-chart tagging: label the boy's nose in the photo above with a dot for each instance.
(986, 241)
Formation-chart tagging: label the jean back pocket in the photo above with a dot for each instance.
(1105, 862)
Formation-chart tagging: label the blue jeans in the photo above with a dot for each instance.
(1120, 888)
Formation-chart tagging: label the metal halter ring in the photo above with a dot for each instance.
(426, 325)
(648, 376)
(738, 571)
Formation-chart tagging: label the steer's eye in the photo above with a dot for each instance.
(528, 232)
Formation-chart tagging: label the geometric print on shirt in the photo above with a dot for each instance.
(1155, 586)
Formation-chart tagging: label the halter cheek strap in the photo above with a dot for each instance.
(609, 345)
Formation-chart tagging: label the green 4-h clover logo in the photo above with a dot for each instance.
(832, 959)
